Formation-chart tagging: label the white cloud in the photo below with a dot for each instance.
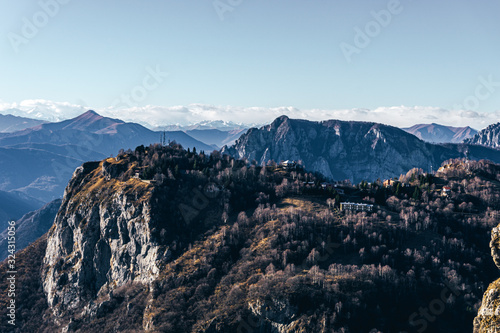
(42, 109)
(152, 116)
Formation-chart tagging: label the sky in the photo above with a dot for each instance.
(163, 62)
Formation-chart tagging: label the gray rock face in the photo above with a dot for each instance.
(488, 316)
(495, 245)
(343, 150)
(489, 137)
(99, 241)
(278, 314)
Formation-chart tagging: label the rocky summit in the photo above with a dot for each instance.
(347, 149)
(489, 137)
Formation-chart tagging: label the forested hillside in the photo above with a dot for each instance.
(186, 242)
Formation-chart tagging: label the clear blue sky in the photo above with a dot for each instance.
(266, 53)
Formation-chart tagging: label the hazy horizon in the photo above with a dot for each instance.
(395, 62)
(161, 116)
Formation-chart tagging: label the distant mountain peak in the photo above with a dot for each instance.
(346, 149)
(441, 133)
(90, 114)
(279, 121)
(10, 123)
(222, 125)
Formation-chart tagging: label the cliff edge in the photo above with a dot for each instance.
(488, 316)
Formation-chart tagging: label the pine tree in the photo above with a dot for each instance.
(416, 194)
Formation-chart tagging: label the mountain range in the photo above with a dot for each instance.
(215, 132)
(124, 253)
(221, 125)
(216, 137)
(10, 123)
(347, 149)
(38, 161)
(441, 134)
(14, 205)
(30, 227)
(217, 245)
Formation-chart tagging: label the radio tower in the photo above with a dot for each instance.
(467, 158)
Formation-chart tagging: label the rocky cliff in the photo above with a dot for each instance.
(210, 244)
(101, 239)
(488, 316)
(346, 149)
(489, 137)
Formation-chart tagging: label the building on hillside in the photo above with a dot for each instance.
(445, 191)
(328, 186)
(356, 207)
(390, 182)
(289, 164)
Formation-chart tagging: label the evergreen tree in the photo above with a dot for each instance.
(416, 194)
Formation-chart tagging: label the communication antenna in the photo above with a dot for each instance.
(467, 158)
(163, 138)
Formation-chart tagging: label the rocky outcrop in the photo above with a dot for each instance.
(488, 316)
(101, 239)
(279, 315)
(489, 137)
(347, 149)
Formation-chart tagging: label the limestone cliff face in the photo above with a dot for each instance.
(489, 137)
(342, 149)
(488, 316)
(101, 238)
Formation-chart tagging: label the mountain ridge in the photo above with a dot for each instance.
(217, 245)
(10, 123)
(436, 133)
(489, 137)
(60, 147)
(30, 227)
(347, 149)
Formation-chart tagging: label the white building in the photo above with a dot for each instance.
(356, 207)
